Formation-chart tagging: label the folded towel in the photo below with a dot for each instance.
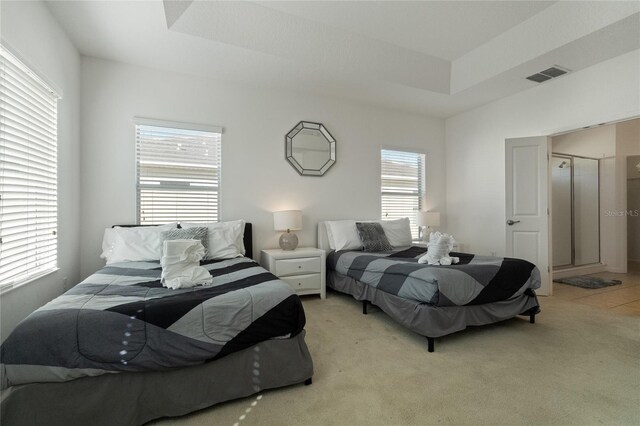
(181, 264)
(189, 276)
(182, 250)
(449, 260)
(438, 249)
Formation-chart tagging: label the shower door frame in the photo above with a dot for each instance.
(570, 157)
(572, 254)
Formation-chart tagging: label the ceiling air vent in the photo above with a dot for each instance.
(547, 74)
(538, 78)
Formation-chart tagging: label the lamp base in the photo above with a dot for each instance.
(288, 241)
(424, 232)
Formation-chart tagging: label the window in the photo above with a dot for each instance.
(402, 185)
(178, 172)
(28, 173)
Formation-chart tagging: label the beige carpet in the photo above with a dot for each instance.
(577, 365)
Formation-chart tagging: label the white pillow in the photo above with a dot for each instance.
(343, 235)
(398, 231)
(140, 243)
(108, 241)
(225, 238)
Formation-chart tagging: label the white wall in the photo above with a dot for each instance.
(256, 179)
(596, 142)
(633, 207)
(475, 148)
(33, 34)
(627, 144)
(610, 242)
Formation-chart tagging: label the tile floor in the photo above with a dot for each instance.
(624, 298)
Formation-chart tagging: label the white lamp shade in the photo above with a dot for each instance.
(428, 219)
(287, 219)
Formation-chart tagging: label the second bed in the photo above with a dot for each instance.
(434, 301)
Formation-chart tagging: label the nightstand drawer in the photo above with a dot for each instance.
(297, 266)
(303, 269)
(303, 282)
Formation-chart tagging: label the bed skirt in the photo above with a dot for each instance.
(136, 398)
(430, 320)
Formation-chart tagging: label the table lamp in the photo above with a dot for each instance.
(427, 219)
(288, 220)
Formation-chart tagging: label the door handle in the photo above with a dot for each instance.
(512, 222)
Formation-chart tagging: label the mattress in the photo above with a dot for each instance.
(475, 280)
(434, 321)
(121, 319)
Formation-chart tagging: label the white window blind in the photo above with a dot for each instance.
(402, 185)
(178, 174)
(28, 173)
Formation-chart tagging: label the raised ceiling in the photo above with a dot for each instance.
(445, 29)
(436, 58)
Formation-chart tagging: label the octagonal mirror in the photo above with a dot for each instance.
(310, 148)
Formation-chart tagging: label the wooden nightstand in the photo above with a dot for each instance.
(303, 268)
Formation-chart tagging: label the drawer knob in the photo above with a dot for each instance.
(299, 266)
(299, 283)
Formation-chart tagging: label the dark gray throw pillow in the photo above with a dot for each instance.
(199, 233)
(373, 237)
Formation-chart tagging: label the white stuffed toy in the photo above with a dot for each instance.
(438, 249)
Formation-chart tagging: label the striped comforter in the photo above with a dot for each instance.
(122, 319)
(475, 280)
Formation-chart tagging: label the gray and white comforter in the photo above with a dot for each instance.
(122, 319)
(475, 280)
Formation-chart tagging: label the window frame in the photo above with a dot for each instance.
(32, 76)
(422, 195)
(174, 125)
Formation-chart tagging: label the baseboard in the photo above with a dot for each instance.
(622, 270)
(580, 270)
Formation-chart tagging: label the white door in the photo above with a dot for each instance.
(527, 203)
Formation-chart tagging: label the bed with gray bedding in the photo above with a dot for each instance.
(119, 330)
(475, 280)
(435, 301)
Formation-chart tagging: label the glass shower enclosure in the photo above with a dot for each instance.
(575, 211)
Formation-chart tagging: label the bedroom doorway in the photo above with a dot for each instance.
(597, 239)
(583, 183)
(529, 194)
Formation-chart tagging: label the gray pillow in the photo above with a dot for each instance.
(199, 233)
(373, 237)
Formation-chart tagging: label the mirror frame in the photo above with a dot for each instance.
(288, 148)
